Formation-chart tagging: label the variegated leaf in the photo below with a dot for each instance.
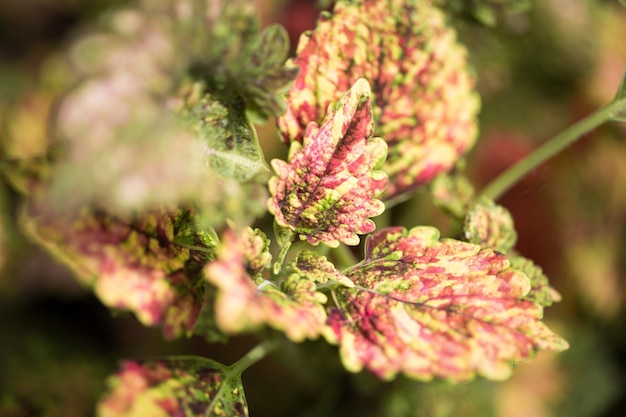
(173, 387)
(444, 309)
(246, 301)
(141, 264)
(424, 106)
(325, 193)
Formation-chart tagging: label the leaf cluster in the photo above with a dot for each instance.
(160, 179)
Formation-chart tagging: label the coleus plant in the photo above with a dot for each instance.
(157, 181)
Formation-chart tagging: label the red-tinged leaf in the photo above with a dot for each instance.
(132, 263)
(247, 302)
(490, 226)
(425, 107)
(173, 387)
(325, 193)
(443, 309)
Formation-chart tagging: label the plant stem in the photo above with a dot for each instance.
(344, 256)
(256, 354)
(236, 369)
(511, 176)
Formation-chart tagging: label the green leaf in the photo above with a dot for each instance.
(317, 268)
(325, 193)
(144, 263)
(541, 292)
(247, 302)
(264, 77)
(423, 96)
(452, 193)
(490, 226)
(232, 147)
(173, 387)
(446, 309)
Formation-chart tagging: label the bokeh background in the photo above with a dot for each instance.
(537, 71)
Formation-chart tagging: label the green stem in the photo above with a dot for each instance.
(511, 176)
(256, 354)
(280, 261)
(236, 369)
(344, 256)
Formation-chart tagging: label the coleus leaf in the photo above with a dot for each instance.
(452, 193)
(490, 225)
(424, 105)
(173, 387)
(246, 301)
(140, 263)
(325, 193)
(118, 126)
(231, 144)
(445, 309)
(264, 76)
(318, 268)
(541, 292)
(240, 59)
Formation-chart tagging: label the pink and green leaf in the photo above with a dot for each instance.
(246, 302)
(445, 309)
(491, 226)
(425, 107)
(173, 387)
(141, 264)
(325, 193)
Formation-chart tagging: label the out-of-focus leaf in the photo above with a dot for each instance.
(490, 226)
(173, 387)
(541, 292)
(452, 193)
(163, 89)
(246, 301)
(264, 77)
(240, 59)
(424, 106)
(142, 264)
(325, 193)
(445, 309)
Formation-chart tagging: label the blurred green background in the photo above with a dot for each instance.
(538, 72)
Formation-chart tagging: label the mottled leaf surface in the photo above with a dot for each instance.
(318, 268)
(133, 263)
(491, 226)
(424, 106)
(540, 292)
(452, 193)
(173, 387)
(246, 301)
(229, 140)
(325, 193)
(444, 308)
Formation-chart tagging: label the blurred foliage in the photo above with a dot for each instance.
(539, 69)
